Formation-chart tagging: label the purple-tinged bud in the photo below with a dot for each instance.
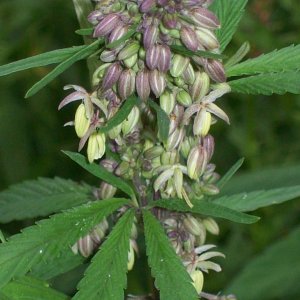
(164, 58)
(170, 21)
(95, 16)
(202, 123)
(109, 164)
(207, 38)
(184, 98)
(108, 56)
(215, 70)
(157, 82)
(204, 18)
(200, 86)
(179, 64)
(111, 76)
(106, 25)
(142, 84)
(150, 36)
(197, 161)
(162, 2)
(167, 102)
(152, 56)
(126, 83)
(129, 50)
(189, 38)
(189, 74)
(208, 143)
(86, 246)
(147, 5)
(107, 190)
(174, 139)
(191, 3)
(117, 33)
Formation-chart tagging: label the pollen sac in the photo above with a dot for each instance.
(202, 123)
(81, 122)
(96, 146)
(131, 120)
(167, 101)
(142, 84)
(198, 280)
(126, 83)
(197, 161)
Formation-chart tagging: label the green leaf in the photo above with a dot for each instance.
(39, 60)
(229, 13)
(268, 84)
(41, 197)
(171, 278)
(49, 238)
(121, 115)
(29, 288)
(206, 208)
(254, 200)
(271, 178)
(285, 59)
(100, 172)
(230, 173)
(105, 278)
(85, 31)
(275, 273)
(163, 121)
(124, 38)
(186, 52)
(81, 54)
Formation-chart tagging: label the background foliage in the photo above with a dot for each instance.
(264, 130)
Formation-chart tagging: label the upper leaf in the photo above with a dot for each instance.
(171, 278)
(274, 273)
(35, 198)
(229, 13)
(81, 54)
(268, 84)
(101, 173)
(254, 200)
(29, 288)
(206, 208)
(105, 278)
(39, 60)
(49, 238)
(285, 59)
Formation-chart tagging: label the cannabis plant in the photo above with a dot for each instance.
(159, 72)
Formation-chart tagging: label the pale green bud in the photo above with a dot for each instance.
(129, 123)
(174, 33)
(200, 86)
(210, 190)
(197, 161)
(178, 182)
(202, 123)
(178, 65)
(184, 98)
(198, 280)
(130, 62)
(99, 74)
(82, 123)
(129, 50)
(115, 132)
(169, 157)
(107, 190)
(130, 262)
(142, 53)
(211, 226)
(167, 102)
(96, 146)
(123, 168)
(192, 225)
(153, 152)
(186, 146)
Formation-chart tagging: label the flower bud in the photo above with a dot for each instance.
(147, 5)
(86, 246)
(115, 132)
(106, 190)
(157, 82)
(162, 179)
(130, 262)
(142, 84)
(170, 21)
(111, 76)
(107, 24)
(164, 58)
(129, 50)
(192, 225)
(108, 55)
(126, 83)
(167, 102)
(99, 73)
(117, 33)
(130, 61)
(211, 226)
(184, 98)
(82, 123)
(169, 157)
(150, 36)
(204, 18)
(189, 74)
(202, 123)
(175, 139)
(189, 38)
(179, 64)
(197, 161)
(210, 190)
(129, 123)
(198, 280)
(96, 146)
(215, 70)
(186, 146)
(200, 86)
(207, 39)
(98, 232)
(95, 16)
(134, 232)
(178, 182)
(122, 169)
(152, 57)
(208, 143)
(153, 152)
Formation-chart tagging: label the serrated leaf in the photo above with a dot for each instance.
(163, 121)
(81, 54)
(206, 208)
(105, 278)
(49, 238)
(39, 60)
(186, 52)
(229, 174)
(268, 84)
(100, 172)
(285, 59)
(171, 278)
(229, 13)
(29, 288)
(121, 115)
(41, 197)
(254, 200)
(275, 273)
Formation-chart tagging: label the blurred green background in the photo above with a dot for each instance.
(264, 130)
